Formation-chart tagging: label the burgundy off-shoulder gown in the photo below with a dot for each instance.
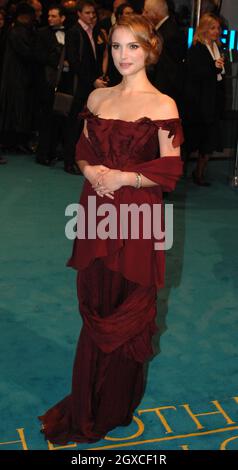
(117, 284)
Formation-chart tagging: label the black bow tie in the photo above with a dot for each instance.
(57, 28)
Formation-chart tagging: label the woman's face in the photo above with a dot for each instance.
(128, 55)
(127, 11)
(214, 31)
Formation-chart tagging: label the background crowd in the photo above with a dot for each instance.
(65, 45)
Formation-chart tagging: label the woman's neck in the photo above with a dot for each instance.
(135, 82)
(210, 42)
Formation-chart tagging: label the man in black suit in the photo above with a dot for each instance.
(17, 82)
(82, 55)
(49, 45)
(167, 74)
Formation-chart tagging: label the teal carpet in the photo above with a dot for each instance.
(196, 368)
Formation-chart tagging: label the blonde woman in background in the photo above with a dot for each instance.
(204, 94)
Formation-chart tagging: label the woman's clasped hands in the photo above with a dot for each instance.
(104, 180)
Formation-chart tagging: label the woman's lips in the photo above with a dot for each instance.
(124, 65)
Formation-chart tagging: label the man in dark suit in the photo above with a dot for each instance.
(17, 82)
(49, 45)
(82, 55)
(167, 74)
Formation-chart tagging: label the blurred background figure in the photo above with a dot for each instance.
(204, 94)
(17, 84)
(109, 69)
(108, 22)
(50, 44)
(124, 9)
(70, 9)
(138, 6)
(210, 6)
(168, 74)
(3, 38)
(83, 57)
(36, 4)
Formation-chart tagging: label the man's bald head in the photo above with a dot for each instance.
(156, 10)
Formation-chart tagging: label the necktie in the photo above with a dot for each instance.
(90, 35)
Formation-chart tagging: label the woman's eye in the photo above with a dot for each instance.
(115, 46)
(134, 46)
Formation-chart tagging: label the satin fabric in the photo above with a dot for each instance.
(130, 146)
(117, 286)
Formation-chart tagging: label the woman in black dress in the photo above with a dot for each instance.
(204, 94)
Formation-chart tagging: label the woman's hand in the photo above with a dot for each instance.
(93, 173)
(109, 181)
(219, 63)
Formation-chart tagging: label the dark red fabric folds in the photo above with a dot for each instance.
(136, 259)
(164, 171)
(117, 284)
(127, 321)
(106, 387)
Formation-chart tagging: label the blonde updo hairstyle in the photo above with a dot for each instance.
(144, 33)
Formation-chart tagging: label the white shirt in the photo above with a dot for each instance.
(60, 36)
(215, 53)
(89, 31)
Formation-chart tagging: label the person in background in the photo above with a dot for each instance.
(101, 39)
(70, 8)
(108, 22)
(17, 85)
(36, 4)
(49, 45)
(3, 38)
(82, 55)
(123, 10)
(138, 6)
(204, 95)
(168, 74)
(209, 6)
(102, 30)
(110, 70)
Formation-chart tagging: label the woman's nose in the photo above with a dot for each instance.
(123, 53)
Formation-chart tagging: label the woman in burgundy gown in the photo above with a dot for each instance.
(126, 127)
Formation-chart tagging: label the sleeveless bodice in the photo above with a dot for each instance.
(119, 144)
(130, 146)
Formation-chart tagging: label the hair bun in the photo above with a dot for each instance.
(154, 42)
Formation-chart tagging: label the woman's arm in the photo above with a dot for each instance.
(92, 172)
(114, 179)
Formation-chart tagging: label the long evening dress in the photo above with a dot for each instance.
(117, 285)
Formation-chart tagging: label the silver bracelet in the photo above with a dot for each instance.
(138, 181)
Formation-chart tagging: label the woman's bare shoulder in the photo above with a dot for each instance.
(163, 107)
(96, 97)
